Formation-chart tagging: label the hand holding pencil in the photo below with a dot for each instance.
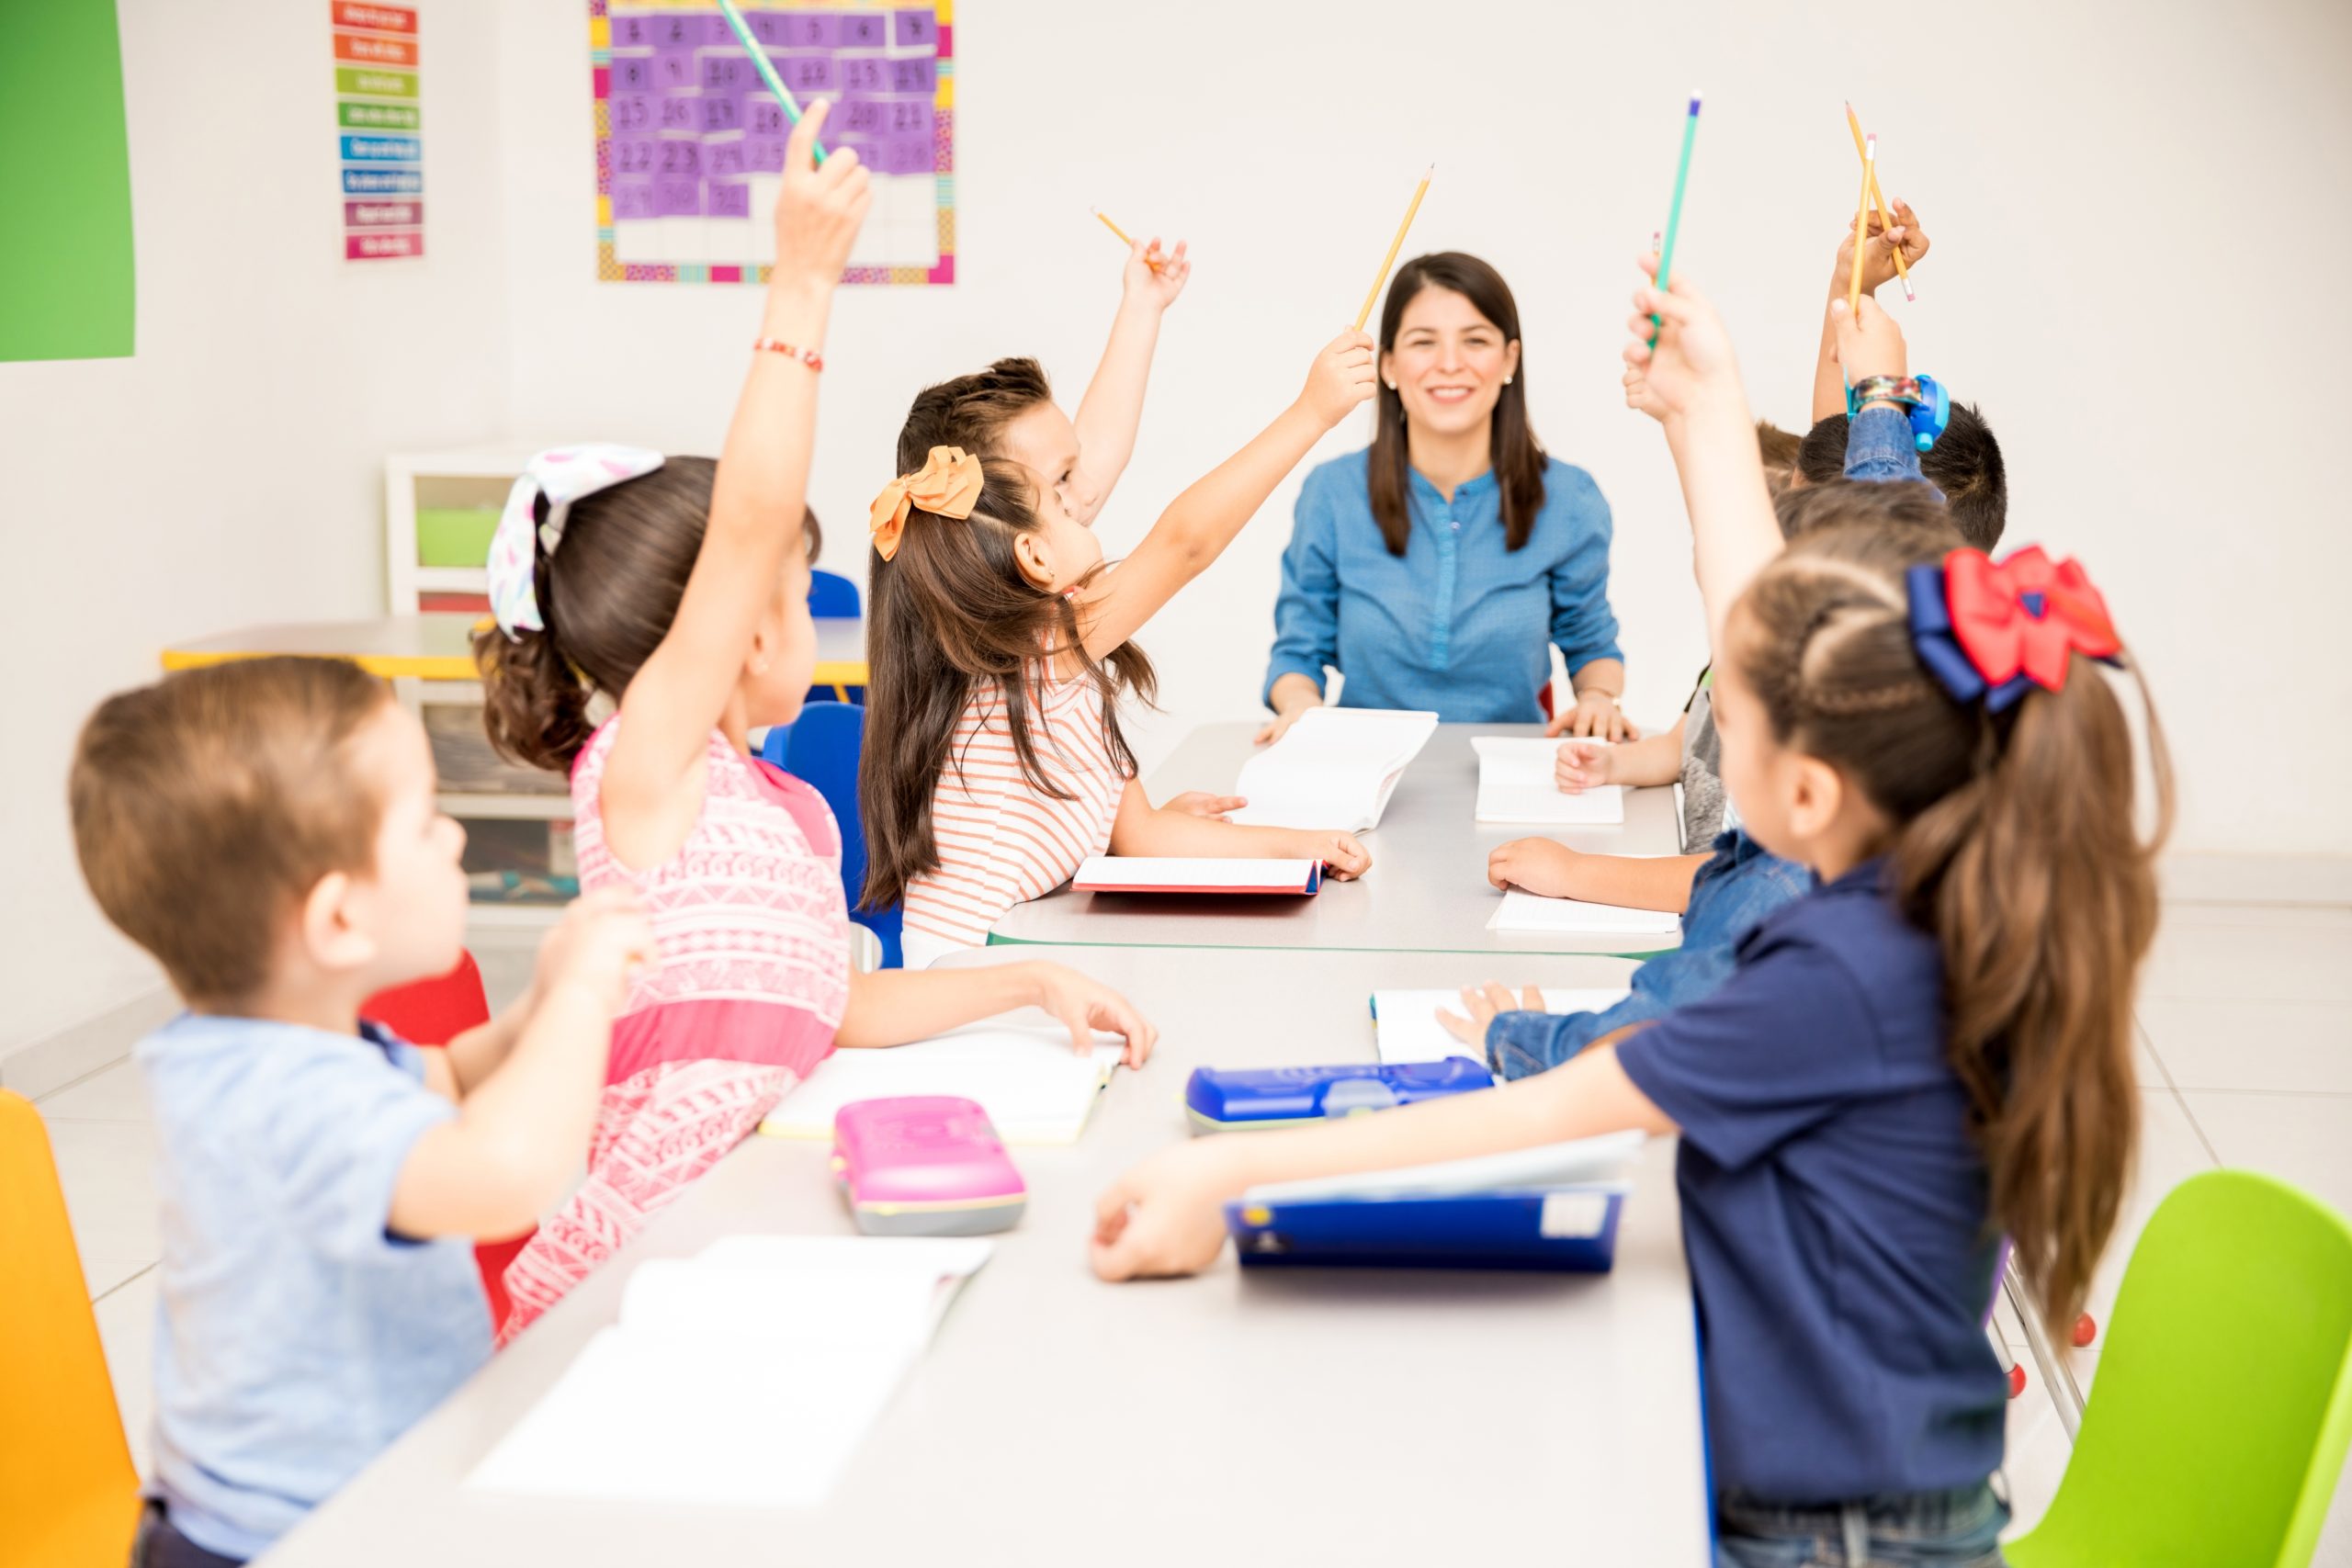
(1882, 245)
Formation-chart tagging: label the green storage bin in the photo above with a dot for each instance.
(455, 536)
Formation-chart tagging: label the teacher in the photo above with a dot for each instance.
(1433, 568)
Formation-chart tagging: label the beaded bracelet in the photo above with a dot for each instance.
(807, 357)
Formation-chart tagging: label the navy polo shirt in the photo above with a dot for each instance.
(1833, 1208)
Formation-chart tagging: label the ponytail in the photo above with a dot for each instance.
(2015, 842)
(534, 704)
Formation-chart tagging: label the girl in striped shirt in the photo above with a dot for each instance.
(998, 645)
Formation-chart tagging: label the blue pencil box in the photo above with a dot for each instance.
(1218, 1100)
(1554, 1209)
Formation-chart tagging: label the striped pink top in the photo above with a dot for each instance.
(754, 973)
(1001, 839)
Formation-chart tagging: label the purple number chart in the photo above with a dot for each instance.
(690, 143)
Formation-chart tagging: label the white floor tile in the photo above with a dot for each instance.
(2243, 952)
(107, 1170)
(2251, 1043)
(114, 1094)
(127, 1329)
(2170, 1153)
(2303, 1138)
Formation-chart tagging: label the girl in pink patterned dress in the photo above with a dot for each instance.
(680, 590)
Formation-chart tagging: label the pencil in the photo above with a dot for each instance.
(1674, 212)
(1884, 216)
(1393, 246)
(764, 66)
(1121, 232)
(1861, 222)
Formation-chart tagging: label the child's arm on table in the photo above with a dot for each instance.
(1552, 869)
(1878, 269)
(518, 1134)
(755, 509)
(1142, 829)
(1164, 1215)
(891, 1007)
(1199, 524)
(1111, 410)
(1584, 764)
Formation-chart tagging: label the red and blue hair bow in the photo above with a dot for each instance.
(1986, 630)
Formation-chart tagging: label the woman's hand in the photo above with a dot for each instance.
(1597, 714)
(1342, 853)
(1166, 1215)
(1539, 865)
(1482, 1003)
(1582, 765)
(1276, 728)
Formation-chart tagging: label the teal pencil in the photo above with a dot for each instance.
(1674, 213)
(767, 68)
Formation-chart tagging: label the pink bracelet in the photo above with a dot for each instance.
(807, 357)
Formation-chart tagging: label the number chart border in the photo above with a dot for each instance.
(610, 268)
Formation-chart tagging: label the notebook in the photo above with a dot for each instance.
(1170, 874)
(1405, 1026)
(1336, 767)
(708, 1390)
(1524, 911)
(1032, 1086)
(1516, 785)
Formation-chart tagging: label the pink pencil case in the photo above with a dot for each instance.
(925, 1164)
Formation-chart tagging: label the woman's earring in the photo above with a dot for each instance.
(1508, 379)
(1392, 386)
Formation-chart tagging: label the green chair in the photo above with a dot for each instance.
(2215, 1432)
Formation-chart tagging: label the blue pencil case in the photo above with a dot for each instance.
(1560, 1229)
(1218, 1100)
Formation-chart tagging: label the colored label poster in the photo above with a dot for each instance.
(68, 290)
(379, 145)
(690, 141)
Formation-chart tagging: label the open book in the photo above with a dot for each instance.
(1405, 1026)
(1336, 767)
(1524, 911)
(1032, 1086)
(743, 1377)
(1195, 873)
(1516, 785)
(1555, 1207)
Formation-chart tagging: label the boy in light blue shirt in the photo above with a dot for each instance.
(267, 831)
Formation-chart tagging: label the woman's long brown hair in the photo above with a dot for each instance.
(1516, 454)
(2015, 842)
(951, 616)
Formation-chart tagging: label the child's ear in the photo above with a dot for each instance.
(327, 928)
(1029, 552)
(767, 633)
(1818, 794)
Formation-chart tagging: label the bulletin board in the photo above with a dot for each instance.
(690, 143)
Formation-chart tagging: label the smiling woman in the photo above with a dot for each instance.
(1432, 568)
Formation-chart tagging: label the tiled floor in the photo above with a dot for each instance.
(2246, 1032)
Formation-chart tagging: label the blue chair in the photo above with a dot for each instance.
(832, 597)
(823, 751)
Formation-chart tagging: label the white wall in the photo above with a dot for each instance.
(230, 472)
(2108, 193)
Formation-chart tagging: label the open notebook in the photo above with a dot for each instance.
(1405, 1026)
(743, 1377)
(1523, 911)
(1516, 785)
(1336, 767)
(1195, 873)
(1034, 1087)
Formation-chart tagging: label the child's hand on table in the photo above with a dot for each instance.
(1481, 1003)
(1166, 1214)
(1200, 803)
(1342, 853)
(1084, 1005)
(1153, 278)
(1539, 865)
(1582, 765)
(1879, 246)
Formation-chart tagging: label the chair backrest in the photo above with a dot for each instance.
(69, 1495)
(2217, 1425)
(823, 751)
(832, 597)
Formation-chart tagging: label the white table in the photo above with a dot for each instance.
(1323, 1416)
(1427, 891)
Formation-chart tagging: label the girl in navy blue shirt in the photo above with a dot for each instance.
(1928, 1053)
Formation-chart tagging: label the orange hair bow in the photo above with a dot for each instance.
(948, 485)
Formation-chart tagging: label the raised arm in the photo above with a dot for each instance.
(1877, 266)
(1111, 410)
(1200, 523)
(760, 494)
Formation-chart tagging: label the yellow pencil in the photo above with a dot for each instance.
(1121, 232)
(1861, 224)
(1884, 216)
(1393, 246)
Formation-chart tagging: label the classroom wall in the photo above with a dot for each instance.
(230, 472)
(2102, 186)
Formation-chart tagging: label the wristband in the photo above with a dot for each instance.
(1926, 403)
(807, 357)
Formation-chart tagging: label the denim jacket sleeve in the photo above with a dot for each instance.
(1307, 613)
(1879, 446)
(1583, 625)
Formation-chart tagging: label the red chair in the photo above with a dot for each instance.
(433, 1013)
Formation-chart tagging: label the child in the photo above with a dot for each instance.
(999, 647)
(682, 592)
(267, 831)
(1007, 409)
(1931, 1050)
